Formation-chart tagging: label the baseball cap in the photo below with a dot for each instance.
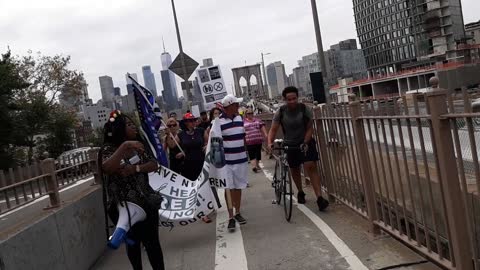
(230, 99)
(189, 116)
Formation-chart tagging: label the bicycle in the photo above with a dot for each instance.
(282, 178)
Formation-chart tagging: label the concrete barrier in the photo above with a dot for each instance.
(70, 238)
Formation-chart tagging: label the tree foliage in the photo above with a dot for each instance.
(96, 138)
(10, 84)
(59, 136)
(29, 90)
(50, 76)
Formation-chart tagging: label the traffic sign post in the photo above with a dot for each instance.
(177, 67)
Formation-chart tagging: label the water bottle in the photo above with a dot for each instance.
(217, 152)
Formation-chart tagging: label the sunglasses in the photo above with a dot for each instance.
(249, 112)
(171, 126)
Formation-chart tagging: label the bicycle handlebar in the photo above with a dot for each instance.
(286, 147)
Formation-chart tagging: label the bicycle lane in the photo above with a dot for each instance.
(273, 243)
(336, 239)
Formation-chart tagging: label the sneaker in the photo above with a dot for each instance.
(255, 170)
(231, 225)
(322, 204)
(240, 219)
(301, 197)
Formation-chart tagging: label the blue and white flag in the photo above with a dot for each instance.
(150, 119)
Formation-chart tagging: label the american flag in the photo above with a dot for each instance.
(150, 119)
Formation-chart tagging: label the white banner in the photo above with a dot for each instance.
(212, 85)
(186, 201)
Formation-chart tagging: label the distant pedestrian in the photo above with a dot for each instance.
(255, 134)
(212, 115)
(204, 121)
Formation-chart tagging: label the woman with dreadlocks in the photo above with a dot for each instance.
(125, 164)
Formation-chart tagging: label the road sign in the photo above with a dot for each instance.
(190, 66)
(213, 87)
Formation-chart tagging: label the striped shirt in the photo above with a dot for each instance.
(253, 130)
(233, 134)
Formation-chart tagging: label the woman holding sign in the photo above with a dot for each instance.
(192, 142)
(125, 163)
(175, 161)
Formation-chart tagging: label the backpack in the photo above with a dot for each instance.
(303, 109)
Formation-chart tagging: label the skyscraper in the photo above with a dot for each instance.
(345, 60)
(208, 62)
(277, 79)
(74, 99)
(149, 79)
(129, 82)
(166, 62)
(116, 91)
(407, 33)
(107, 88)
(170, 100)
(169, 84)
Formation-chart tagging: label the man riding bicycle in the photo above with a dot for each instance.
(297, 125)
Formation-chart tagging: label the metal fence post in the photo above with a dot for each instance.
(456, 217)
(324, 156)
(48, 167)
(365, 168)
(93, 160)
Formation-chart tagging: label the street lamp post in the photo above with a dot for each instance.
(320, 48)
(265, 75)
(182, 59)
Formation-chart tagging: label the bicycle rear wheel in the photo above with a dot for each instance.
(287, 193)
(277, 182)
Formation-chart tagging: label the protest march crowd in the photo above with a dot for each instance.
(188, 147)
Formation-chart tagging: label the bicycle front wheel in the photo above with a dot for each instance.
(287, 193)
(277, 182)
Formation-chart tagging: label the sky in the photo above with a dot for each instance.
(113, 37)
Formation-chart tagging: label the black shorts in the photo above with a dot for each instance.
(295, 157)
(254, 151)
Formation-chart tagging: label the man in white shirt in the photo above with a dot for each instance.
(233, 133)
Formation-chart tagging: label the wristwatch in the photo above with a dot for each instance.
(137, 168)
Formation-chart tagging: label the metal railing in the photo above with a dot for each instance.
(46, 178)
(409, 166)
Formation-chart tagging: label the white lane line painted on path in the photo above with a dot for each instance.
(342, 248)
(230, 251)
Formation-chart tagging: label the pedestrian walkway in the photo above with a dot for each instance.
(337, 239)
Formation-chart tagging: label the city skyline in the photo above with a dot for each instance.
(103, 44)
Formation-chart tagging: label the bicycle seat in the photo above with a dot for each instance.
(278, 141)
